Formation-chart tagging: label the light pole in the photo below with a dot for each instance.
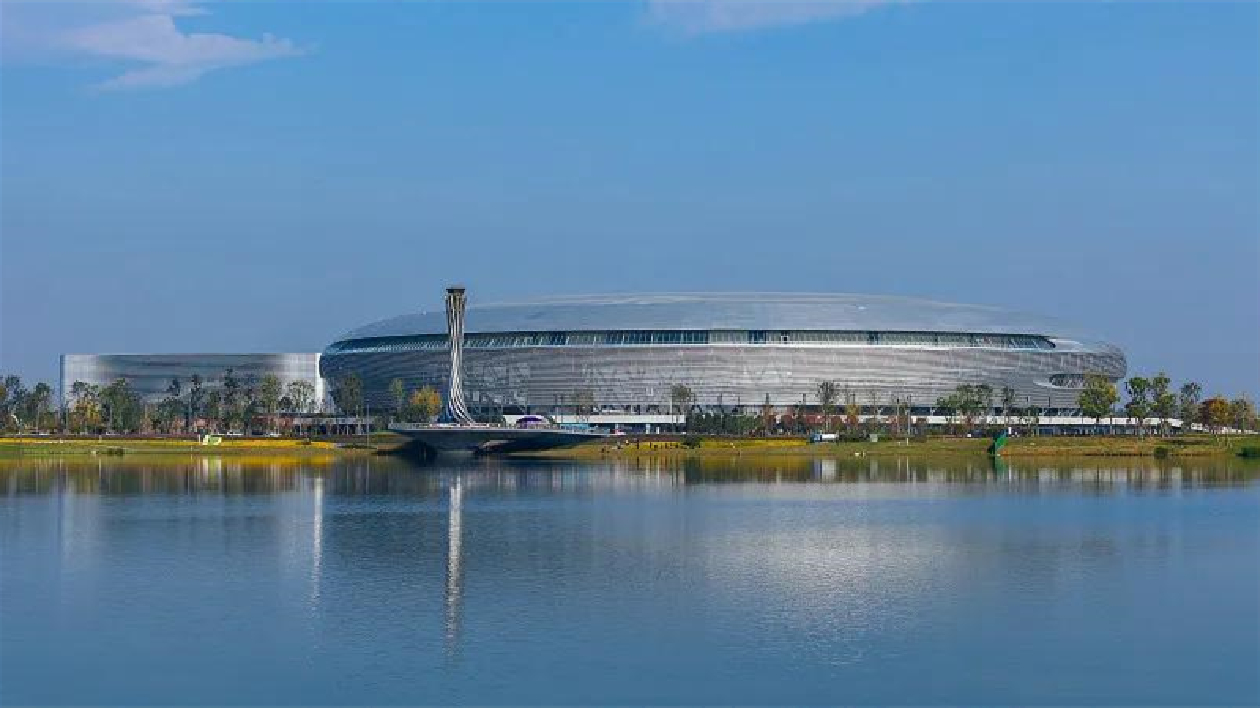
(909, 405)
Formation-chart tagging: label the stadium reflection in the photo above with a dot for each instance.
(431, 533)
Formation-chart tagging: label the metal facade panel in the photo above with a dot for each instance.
(630, 376)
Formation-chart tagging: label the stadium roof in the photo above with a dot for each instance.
(726, 311)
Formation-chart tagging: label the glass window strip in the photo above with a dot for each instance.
(506, 340)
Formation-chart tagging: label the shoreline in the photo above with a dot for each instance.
(1196, 446)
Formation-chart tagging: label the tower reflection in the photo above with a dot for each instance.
(317, 539)
(454, 564)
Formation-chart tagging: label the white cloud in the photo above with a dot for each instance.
(144, 34)
(705, 16)
(169, 56)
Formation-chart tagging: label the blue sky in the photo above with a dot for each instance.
(246, 176)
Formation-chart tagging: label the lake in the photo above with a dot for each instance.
(356, 579)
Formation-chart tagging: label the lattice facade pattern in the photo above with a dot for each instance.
(638, 378)
(625, 352)
(456, 409)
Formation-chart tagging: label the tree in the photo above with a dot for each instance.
(121, 406)
(583, 401)
(872, 423)
(1215, 413)
(767, 416)
(1008, 402)
(169, 412)
(399, 393)
(348, 394)
(984, 399)
(249, 411)
(173, 404)
(800, 422)
(1163, 402)
(196, 397)
(1139, 405)
(175, 388)
(1242, 414)
(949, 406)
(269, 391)
(230, 400)
(966, 401)
(1032, 418)
(38, 404)
(715, 422)
(86, 409)
(1098, 397)
(249, 407)
(1188, 400)
(721, 422)
(852, 415)
(212, 408)
(14, 398)
(973, 401)
(681, 397)
(302, 396)
(424, 405)
(828, 392)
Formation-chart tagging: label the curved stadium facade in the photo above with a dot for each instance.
(626, 352)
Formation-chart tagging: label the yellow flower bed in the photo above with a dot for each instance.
(249, 443)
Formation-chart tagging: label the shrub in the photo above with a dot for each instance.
(692, 441)
(1250, 451)
(1162, 451)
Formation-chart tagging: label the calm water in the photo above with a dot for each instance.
(148, 580)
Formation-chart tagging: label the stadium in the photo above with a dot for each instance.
(620, 356)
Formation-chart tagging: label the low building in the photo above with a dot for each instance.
(150, 375)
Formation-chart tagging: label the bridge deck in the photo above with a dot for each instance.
(443, 438)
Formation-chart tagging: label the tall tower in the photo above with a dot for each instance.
(456, 410)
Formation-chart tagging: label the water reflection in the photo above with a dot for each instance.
(1050, 471)
(708, 574)
(454, 563)
(317, 538)
(70, 477)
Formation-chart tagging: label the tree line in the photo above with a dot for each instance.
(979, 404)
(248, 403)
(416, 405)
(22, 408)
(195, 404)
(1155, 398)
